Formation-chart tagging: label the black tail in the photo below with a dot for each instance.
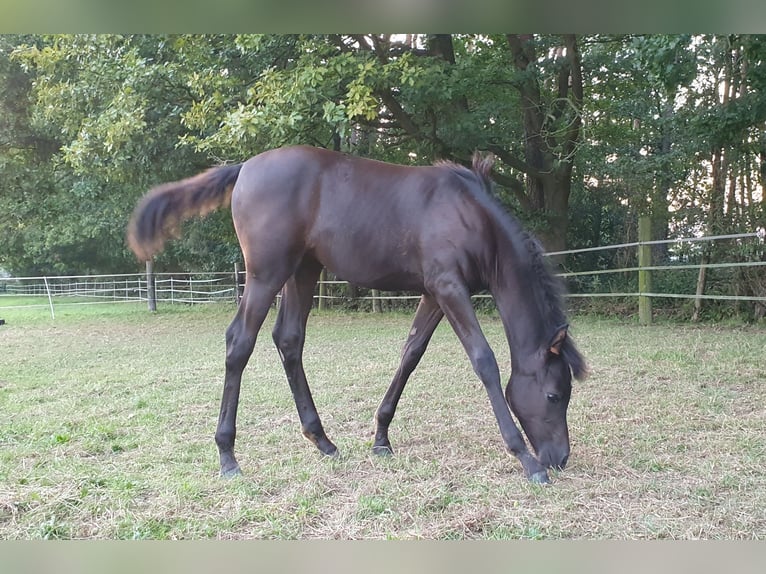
(160, 212)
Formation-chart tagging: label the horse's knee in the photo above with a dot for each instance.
(485, 365)
(239, 346)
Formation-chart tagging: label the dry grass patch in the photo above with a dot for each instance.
(109, 417)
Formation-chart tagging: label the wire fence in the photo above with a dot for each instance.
(744, 254)
(754, 252)
(69, 290)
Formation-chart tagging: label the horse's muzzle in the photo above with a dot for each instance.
(554, 458)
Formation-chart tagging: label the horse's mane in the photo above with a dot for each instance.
(480, 170)
(548, 290)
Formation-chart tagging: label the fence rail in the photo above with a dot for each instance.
(201, 288)
(67, 290)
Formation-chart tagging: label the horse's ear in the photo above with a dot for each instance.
(482, 165)
(558, 339)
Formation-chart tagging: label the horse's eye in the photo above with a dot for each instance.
(553, 397)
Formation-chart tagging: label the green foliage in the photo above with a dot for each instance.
(112, 115)
(89, 122)
(110, 106)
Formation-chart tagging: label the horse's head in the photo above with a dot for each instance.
(538, 393)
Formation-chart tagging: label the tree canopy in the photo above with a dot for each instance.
(589, 131)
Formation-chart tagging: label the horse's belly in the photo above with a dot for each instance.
(381, 277)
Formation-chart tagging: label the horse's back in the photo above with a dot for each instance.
(373, 223)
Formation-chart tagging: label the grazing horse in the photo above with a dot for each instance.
(433, 229)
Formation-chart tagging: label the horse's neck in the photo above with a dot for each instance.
(514, 293)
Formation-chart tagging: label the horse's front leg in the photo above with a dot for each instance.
(455, 301)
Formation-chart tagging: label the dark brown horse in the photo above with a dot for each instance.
(434, 230)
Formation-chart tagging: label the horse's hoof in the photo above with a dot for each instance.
(328, 449)
(382, 450)
(324, 444)
(540, 478)
(231, 472)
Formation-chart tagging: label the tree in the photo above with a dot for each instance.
(111, 106)
(588, 131)
(552, 122)
(732, 122)
(417, 99)
(25, 162)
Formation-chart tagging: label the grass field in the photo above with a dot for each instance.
(108, 415)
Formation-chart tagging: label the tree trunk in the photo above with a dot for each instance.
(664, 182)
(717, 193)
(720, 158)
(732, 205)
(763, 180)
(556, 210)
(441, 46)
(548, 149)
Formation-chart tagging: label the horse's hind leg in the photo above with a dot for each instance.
(289, 335)
(240, 340)
(426, 319)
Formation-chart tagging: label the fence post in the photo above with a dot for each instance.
(322, 303)
(237, 285)
(151, 290)
(644, 275)
(701, 276)
(50, 299)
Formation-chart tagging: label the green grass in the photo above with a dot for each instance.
(108, 415)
